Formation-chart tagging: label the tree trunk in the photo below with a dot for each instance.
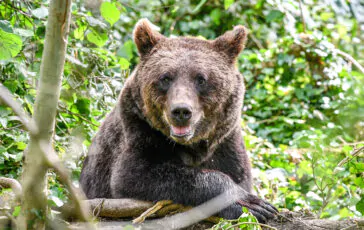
(34, 183)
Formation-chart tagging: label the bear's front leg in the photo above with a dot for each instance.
(144, 180)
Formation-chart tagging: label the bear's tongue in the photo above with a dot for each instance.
(181, 131)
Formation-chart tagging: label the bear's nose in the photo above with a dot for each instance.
(181, 113)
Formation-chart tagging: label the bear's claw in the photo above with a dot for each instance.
(261, 209)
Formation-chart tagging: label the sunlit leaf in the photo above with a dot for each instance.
(21, 145)
(10, 45)
(126, 50)
(16, 211)
(110, 12)
(228, 3)
(97, 38)
(79, 32)
(124, 63)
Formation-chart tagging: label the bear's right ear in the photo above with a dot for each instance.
(145, 37)
(232, 42)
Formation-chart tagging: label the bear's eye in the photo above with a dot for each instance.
(165, 81)
(200, 81)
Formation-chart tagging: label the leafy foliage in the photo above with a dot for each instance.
(304, 104)
(246, 221)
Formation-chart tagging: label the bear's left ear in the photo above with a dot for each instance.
(232, 42)
(145, 37)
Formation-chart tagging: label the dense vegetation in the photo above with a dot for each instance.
(304, 103)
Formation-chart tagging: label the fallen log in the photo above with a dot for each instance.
(114, 213)
(117, 208)
(303, 221)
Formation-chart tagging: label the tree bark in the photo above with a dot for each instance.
(114, 213)
(34, 183)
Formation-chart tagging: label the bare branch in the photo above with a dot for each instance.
(11, 183)
(123, 208)
(350, 58)
(354, 153)
(7, 98)
(302, 17)
(159, 205)
(117, 208)
(76, 195)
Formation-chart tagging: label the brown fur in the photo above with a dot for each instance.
(136, 153)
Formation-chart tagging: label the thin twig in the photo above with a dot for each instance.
(352, 143)
(76, 195)
(201, 212)
(152, 210)
(11, 183)
(11, 218)
(269, 120)
(360, 222)
(7, 98)
(19, 10)
(353, 154)
(78, 115)
(256, 41)
(291, 220)
(350, 58)
(98, 208)
(302, 18)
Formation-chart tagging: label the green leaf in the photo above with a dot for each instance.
(126, 51)
(124, 64)
(3, 123)
(325, 16)
(215, 16)
(55, 200)
(21, 145)
(40, 13)
(274, 15)
(98, 39)
(6, 26)
(79, 32)
(83, 106)
(245, 210)
(110, 12)
(16, 211)
(10, 45)
(2, 149)
(23, 33)
(227, 3)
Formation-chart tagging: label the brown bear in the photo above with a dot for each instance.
(175, 133)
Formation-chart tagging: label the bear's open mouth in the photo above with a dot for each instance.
(183, 131)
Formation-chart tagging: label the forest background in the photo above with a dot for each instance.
(304, 104)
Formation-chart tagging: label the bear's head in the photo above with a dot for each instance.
(191, 89)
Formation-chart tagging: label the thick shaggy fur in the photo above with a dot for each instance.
(134, 156)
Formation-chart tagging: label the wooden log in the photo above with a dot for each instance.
(114, 213)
